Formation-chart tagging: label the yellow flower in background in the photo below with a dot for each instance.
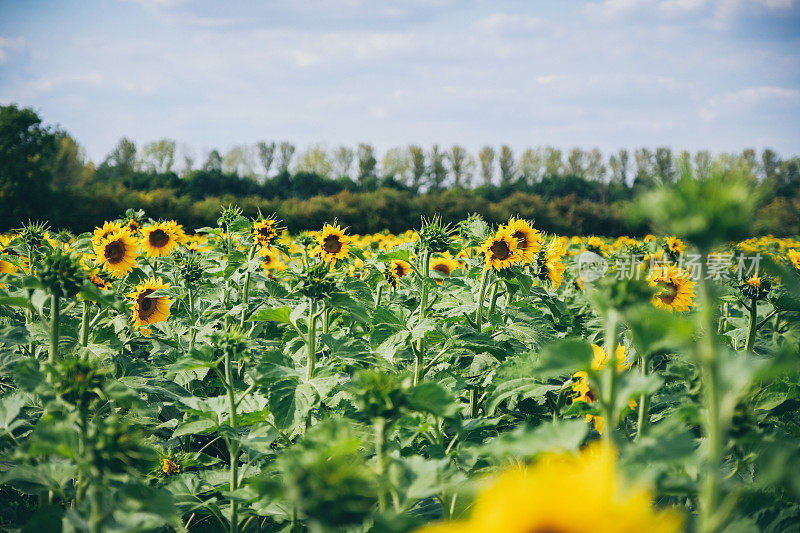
(529, 240)
(332, 243)
(158, 240)
(118, 253)
(649, 238)
(501, 250)
(146, 309)
(271, 260)
(676, 289)
(563, 493)
(399, 268)
(794, 257)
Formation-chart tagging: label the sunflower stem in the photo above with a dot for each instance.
(233, 448)
(311, 339)
(378, 296)
(85, 323)
(610, 375)
(246, 292)
(380, 440)
(493, 297)
(752, 326)
(192, 328)
(481, 297)
(419, 360)
(55, 318)
(644, 404)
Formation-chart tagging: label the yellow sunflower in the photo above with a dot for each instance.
(6, 267)
(332, 243)
(264, 231)
(101, 234)
(177, 231)
(158, 240)
(529, 240)
(146, 309)
(676, 288)
(674, 245)
(794, 257)
(95, 276)
(271, 259)
(133, 226)
(400, 268)
(563, 493)
(445, 266)
(501, 250)
(118, 253)
(553, 268)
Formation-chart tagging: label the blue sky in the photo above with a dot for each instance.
(691, 74)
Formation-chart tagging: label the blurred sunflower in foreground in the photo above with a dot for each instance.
(564, 494)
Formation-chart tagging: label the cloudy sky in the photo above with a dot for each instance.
(717, 74)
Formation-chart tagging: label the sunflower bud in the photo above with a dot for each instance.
(229, 214)
(756, 287)
(233, 341)
(190, 269)
(33, 234)
(61, 274)
(434, 236)
(76, 380)
(316, 283)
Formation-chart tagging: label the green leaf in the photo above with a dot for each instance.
(430, 397)
(290, 401)
(195, 427)
(280, 314)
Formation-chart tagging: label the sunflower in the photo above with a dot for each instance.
(581, 385)
(501, 250)
(118, 253)
(445, 266)
(396, 270)
(674, 245)
(101, 234)
(169, 467)
(147, 309)
(159, 239)
(95, 275)
(563, 493)
(177, 231)
(794, 257)
(133, 226)
(596, 245)
(264, 231)
(676, 289)
(271, 259)
(529, 240)
(551, 267)
(332, 243)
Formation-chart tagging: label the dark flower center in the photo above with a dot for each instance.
(669, 293)
(500, 250)
(147, 306)
(115, 252)
(158, 238)
(522, 239)
(331, 244)
(444, 269)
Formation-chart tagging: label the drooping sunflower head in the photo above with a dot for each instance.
(551, 267)
(271, 259)
(264, 231)
(118, 253)
(529, 240)
(675, 288)
(147, 309)
(332, 243)
(158, 239)
(501, 250)
(444, 266)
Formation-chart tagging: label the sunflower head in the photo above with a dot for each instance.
(445, 266)
(61, 273)
(33, 234)
(675, 289)
(551, 267)
(228, 215)
(756, 287)
(118, 253)
(271, 259)
(332, 243)
(169, 467)
(102, 233)
(159, 239)
(396, 269)
(264, 231)
(501, 250)
(434, 236)
(77, 379)
(529, 240)
(147, 309)
(794, 258)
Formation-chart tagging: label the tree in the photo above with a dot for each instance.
(343, 158)
(437, 171)
(531, 164)
(507, 167)
(158, 156)
(213, 162)
(315, 160)
(69, 169)
(664, 166)
(624, 160)
(576, 163)
(366, 161)
(123, 157)
(266, 155)
(769, 163)
(644, 166)
(285, 154)
(394, 164)
(239, 160)
(486, 157)
(188, 159)
(416, 159)
(552, 161)
(595, 168)
(702, 164)
(461, 165)
(685, 164)
(27, 149)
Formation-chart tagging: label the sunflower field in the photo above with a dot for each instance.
(453, 378)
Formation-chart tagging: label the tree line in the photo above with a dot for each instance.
(45, 174)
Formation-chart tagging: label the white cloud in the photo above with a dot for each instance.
(737, 102)
(9, 45)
